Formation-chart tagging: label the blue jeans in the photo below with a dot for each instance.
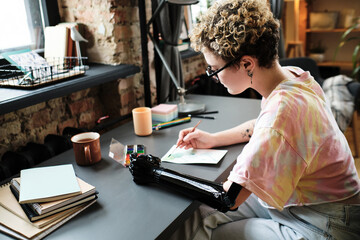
(253, 221)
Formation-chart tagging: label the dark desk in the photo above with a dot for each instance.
(127, 211)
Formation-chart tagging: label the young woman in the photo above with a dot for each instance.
(297, 171)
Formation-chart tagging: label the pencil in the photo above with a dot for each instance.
(171, 123)
(162, 126)
(192, 130)
(175, 120)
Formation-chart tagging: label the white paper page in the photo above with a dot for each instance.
(192, 156)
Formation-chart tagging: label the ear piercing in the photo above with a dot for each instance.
(250, 74)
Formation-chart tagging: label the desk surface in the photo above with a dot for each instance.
(128, 211)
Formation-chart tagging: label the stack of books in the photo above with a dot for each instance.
(41, 200)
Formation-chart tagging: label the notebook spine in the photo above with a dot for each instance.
(27, 209)
(34, 206)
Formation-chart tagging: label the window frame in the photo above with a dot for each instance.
(45, 7)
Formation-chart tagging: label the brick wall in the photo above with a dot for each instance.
(112, 28)
(79, 109)
(193, 67)
(34, 123)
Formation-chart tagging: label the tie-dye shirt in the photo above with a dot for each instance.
(297, 154)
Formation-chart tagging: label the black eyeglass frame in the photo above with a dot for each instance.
(213, 74)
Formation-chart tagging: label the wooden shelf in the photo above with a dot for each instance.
(343, 65)
(336, 30)
(14, 99)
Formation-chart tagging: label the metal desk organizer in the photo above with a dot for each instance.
(27, 77)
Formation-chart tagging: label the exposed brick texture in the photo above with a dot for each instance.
(112, 28)
(193, 67)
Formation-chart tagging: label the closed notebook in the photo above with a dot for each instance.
(43, 219)
(10, 203)
(21, 229)
(44, 184)
(45, 207)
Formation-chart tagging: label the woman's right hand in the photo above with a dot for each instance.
(196, 139)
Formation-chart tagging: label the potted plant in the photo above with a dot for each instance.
(356, 53)
(317, 52)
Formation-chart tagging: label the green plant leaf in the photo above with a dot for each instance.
(354, 55)
(345, 39)
(348, 31)
(356, 71)
(342, 43)
(354, 60)
(350, 39)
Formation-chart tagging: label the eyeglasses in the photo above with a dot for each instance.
(214, 74)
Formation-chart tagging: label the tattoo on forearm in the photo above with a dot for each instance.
(248, 133)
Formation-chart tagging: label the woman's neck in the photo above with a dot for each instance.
(267, 79)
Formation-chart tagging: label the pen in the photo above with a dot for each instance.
(199, 116)
(203, 113)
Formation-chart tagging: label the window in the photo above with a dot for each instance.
(199, 8)
(22, 25)
(191, 14)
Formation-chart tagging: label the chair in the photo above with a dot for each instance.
(305, 63)
(310, 65)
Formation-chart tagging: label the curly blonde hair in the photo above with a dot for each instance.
(233, 28)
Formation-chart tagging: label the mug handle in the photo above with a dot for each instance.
(87, 154)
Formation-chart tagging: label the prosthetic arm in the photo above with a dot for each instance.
(146, 169)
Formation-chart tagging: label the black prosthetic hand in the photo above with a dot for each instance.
(143, 168)
(146, 169)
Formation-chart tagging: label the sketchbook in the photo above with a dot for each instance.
(17, 227)
(44, 184)
(45, 207)
(9, 202)
(193, 156)
(44, 219)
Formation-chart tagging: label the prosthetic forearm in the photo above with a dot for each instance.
(146, 169)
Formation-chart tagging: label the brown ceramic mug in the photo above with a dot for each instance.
(87, 148)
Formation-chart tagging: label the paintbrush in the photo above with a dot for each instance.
(177, 145)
